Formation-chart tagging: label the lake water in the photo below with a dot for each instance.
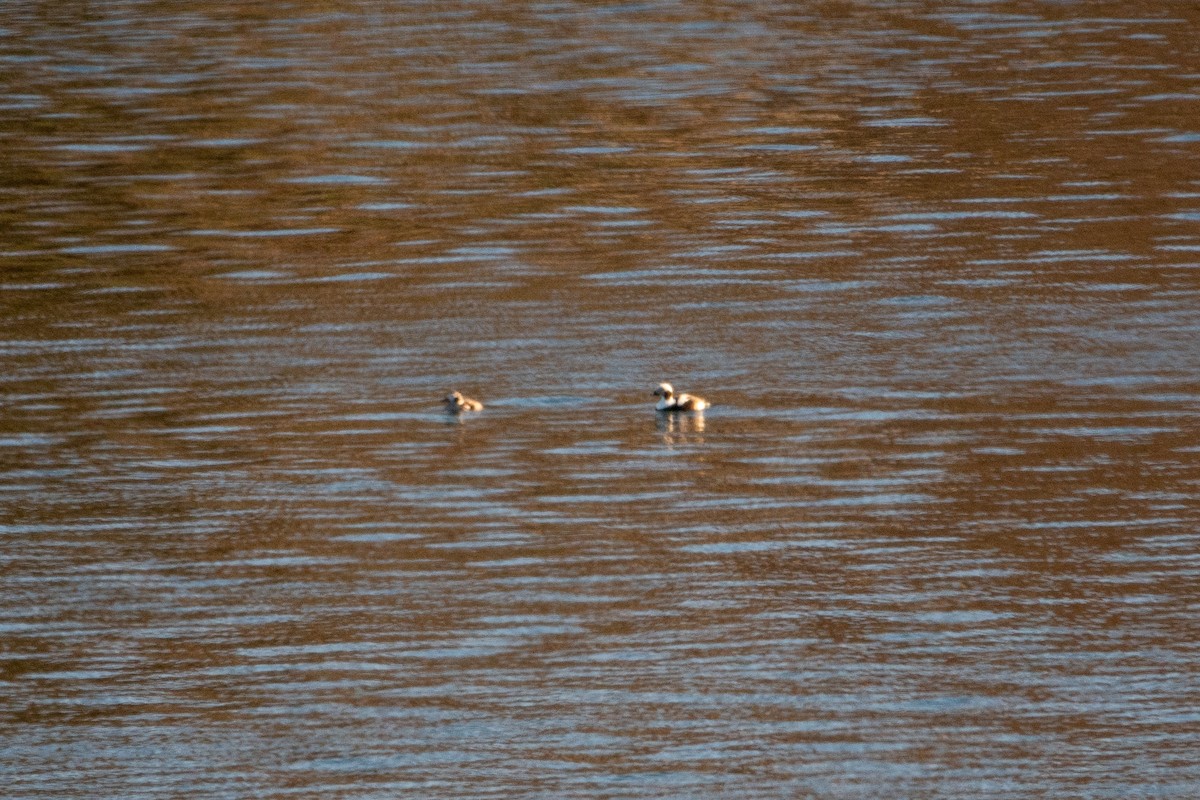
(937, 266)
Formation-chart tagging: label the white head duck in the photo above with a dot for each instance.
(670, 401)
(456, 404)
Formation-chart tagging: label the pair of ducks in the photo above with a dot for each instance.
(667, 401)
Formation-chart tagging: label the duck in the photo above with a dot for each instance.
(669, 401)
(456, 404)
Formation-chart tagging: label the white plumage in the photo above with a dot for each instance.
(456, 403)
(670, 401)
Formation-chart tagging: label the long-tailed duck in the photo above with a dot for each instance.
(456, 403)
(669, 401)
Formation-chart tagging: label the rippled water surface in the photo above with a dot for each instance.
(934, 263)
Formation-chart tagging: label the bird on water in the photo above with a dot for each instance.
(456, 404)
(670, 401)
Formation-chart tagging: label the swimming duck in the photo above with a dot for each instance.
(456, 403)
(669, 401)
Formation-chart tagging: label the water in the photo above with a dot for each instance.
(934, 265)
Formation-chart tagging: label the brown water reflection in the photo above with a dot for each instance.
(934, 264)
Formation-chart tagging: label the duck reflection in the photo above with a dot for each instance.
(677, 428)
